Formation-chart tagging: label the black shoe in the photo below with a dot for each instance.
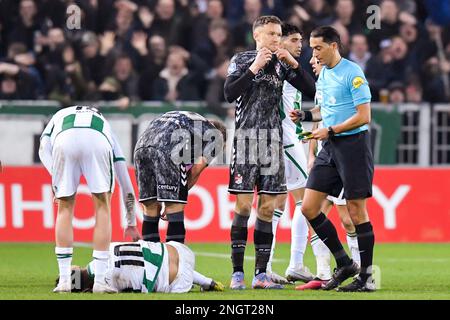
(358, 285)
(340, 275)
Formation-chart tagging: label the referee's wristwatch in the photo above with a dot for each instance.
(331, 132)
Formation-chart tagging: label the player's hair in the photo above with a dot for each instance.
(328, 34)
(288, 29)
(263, 20)
(221, 127)
(85, 281)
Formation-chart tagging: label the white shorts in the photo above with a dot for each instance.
(81, 151)
(339, 201)
(185, 277)
(295, 166)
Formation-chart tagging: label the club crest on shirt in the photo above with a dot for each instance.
(357, 82)
(238, 179)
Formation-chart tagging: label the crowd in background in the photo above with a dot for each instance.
(169, 50)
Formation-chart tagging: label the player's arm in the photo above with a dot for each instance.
(126, 189)
(312, 149)
(303, 81)
(45, 147)
(237, 81)
(312, 115)
(197, 168)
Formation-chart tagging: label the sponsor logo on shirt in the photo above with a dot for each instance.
(167, 187)
(357, 82)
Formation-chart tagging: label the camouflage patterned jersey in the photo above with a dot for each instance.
(257, 107)
(181, 131)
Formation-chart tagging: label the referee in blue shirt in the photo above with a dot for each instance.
(345, 161)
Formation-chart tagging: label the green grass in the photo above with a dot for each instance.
(408, 271)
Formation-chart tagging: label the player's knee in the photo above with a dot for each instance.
(348, 224)
(309, 211)
(243, 208)
(357, 212)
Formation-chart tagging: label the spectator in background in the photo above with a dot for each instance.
(26, 25)
(92, 63)
(15, 84)
(432, 82)
(124, 73)
(217, 46)
(414, 91)
(379, 69)
(345, 37)
(400, 67)
(152, 64)
(389, 24)
(396, 93)
(359, 50)
(242, 33)
(201, 24)
(74, 74)
(175, 82)
(174, 28)
(320, 13)
(214, 95)
(344, 10)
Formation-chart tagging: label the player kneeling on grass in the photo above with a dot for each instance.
(146, 267)
(79, 141)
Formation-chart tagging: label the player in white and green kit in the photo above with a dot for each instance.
(295, 169)
(78, 141)
(147, 267)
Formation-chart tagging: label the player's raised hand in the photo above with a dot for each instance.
(286, 57)
(262, 58)
(133, 232)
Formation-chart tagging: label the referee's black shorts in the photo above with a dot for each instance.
(344, 162)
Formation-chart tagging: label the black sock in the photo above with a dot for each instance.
(175, 228)
(366, 242)
(150, 230)
(327, 233)
(239, 233)
(263, 238)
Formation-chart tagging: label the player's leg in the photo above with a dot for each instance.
(64, 242)
(325, 177)
(299, 239)
(366, 241)
(65, 179)
(144, 161)
(355, 155)
(150, 225)
(207, 284)
(320, 250)
(352, 239)
(239, 233)
(280, 203)
(176, 230)
(101, 241)
(96, 162)
(263, 238)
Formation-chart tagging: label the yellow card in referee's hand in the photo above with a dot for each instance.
(305, 135)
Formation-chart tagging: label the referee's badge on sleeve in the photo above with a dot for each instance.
(357, 82)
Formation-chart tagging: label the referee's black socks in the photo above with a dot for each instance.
(238, 233)
(366, 242)
(150, 230)
(327, 233)
(175, 228)
(262, 237)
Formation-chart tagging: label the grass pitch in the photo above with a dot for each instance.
(408, 271)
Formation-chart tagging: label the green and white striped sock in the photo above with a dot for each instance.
(277, 214)
(64, 258)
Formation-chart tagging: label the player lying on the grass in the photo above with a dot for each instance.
(295, 170)
(79, 141)
(147, 267)
(169, 158)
